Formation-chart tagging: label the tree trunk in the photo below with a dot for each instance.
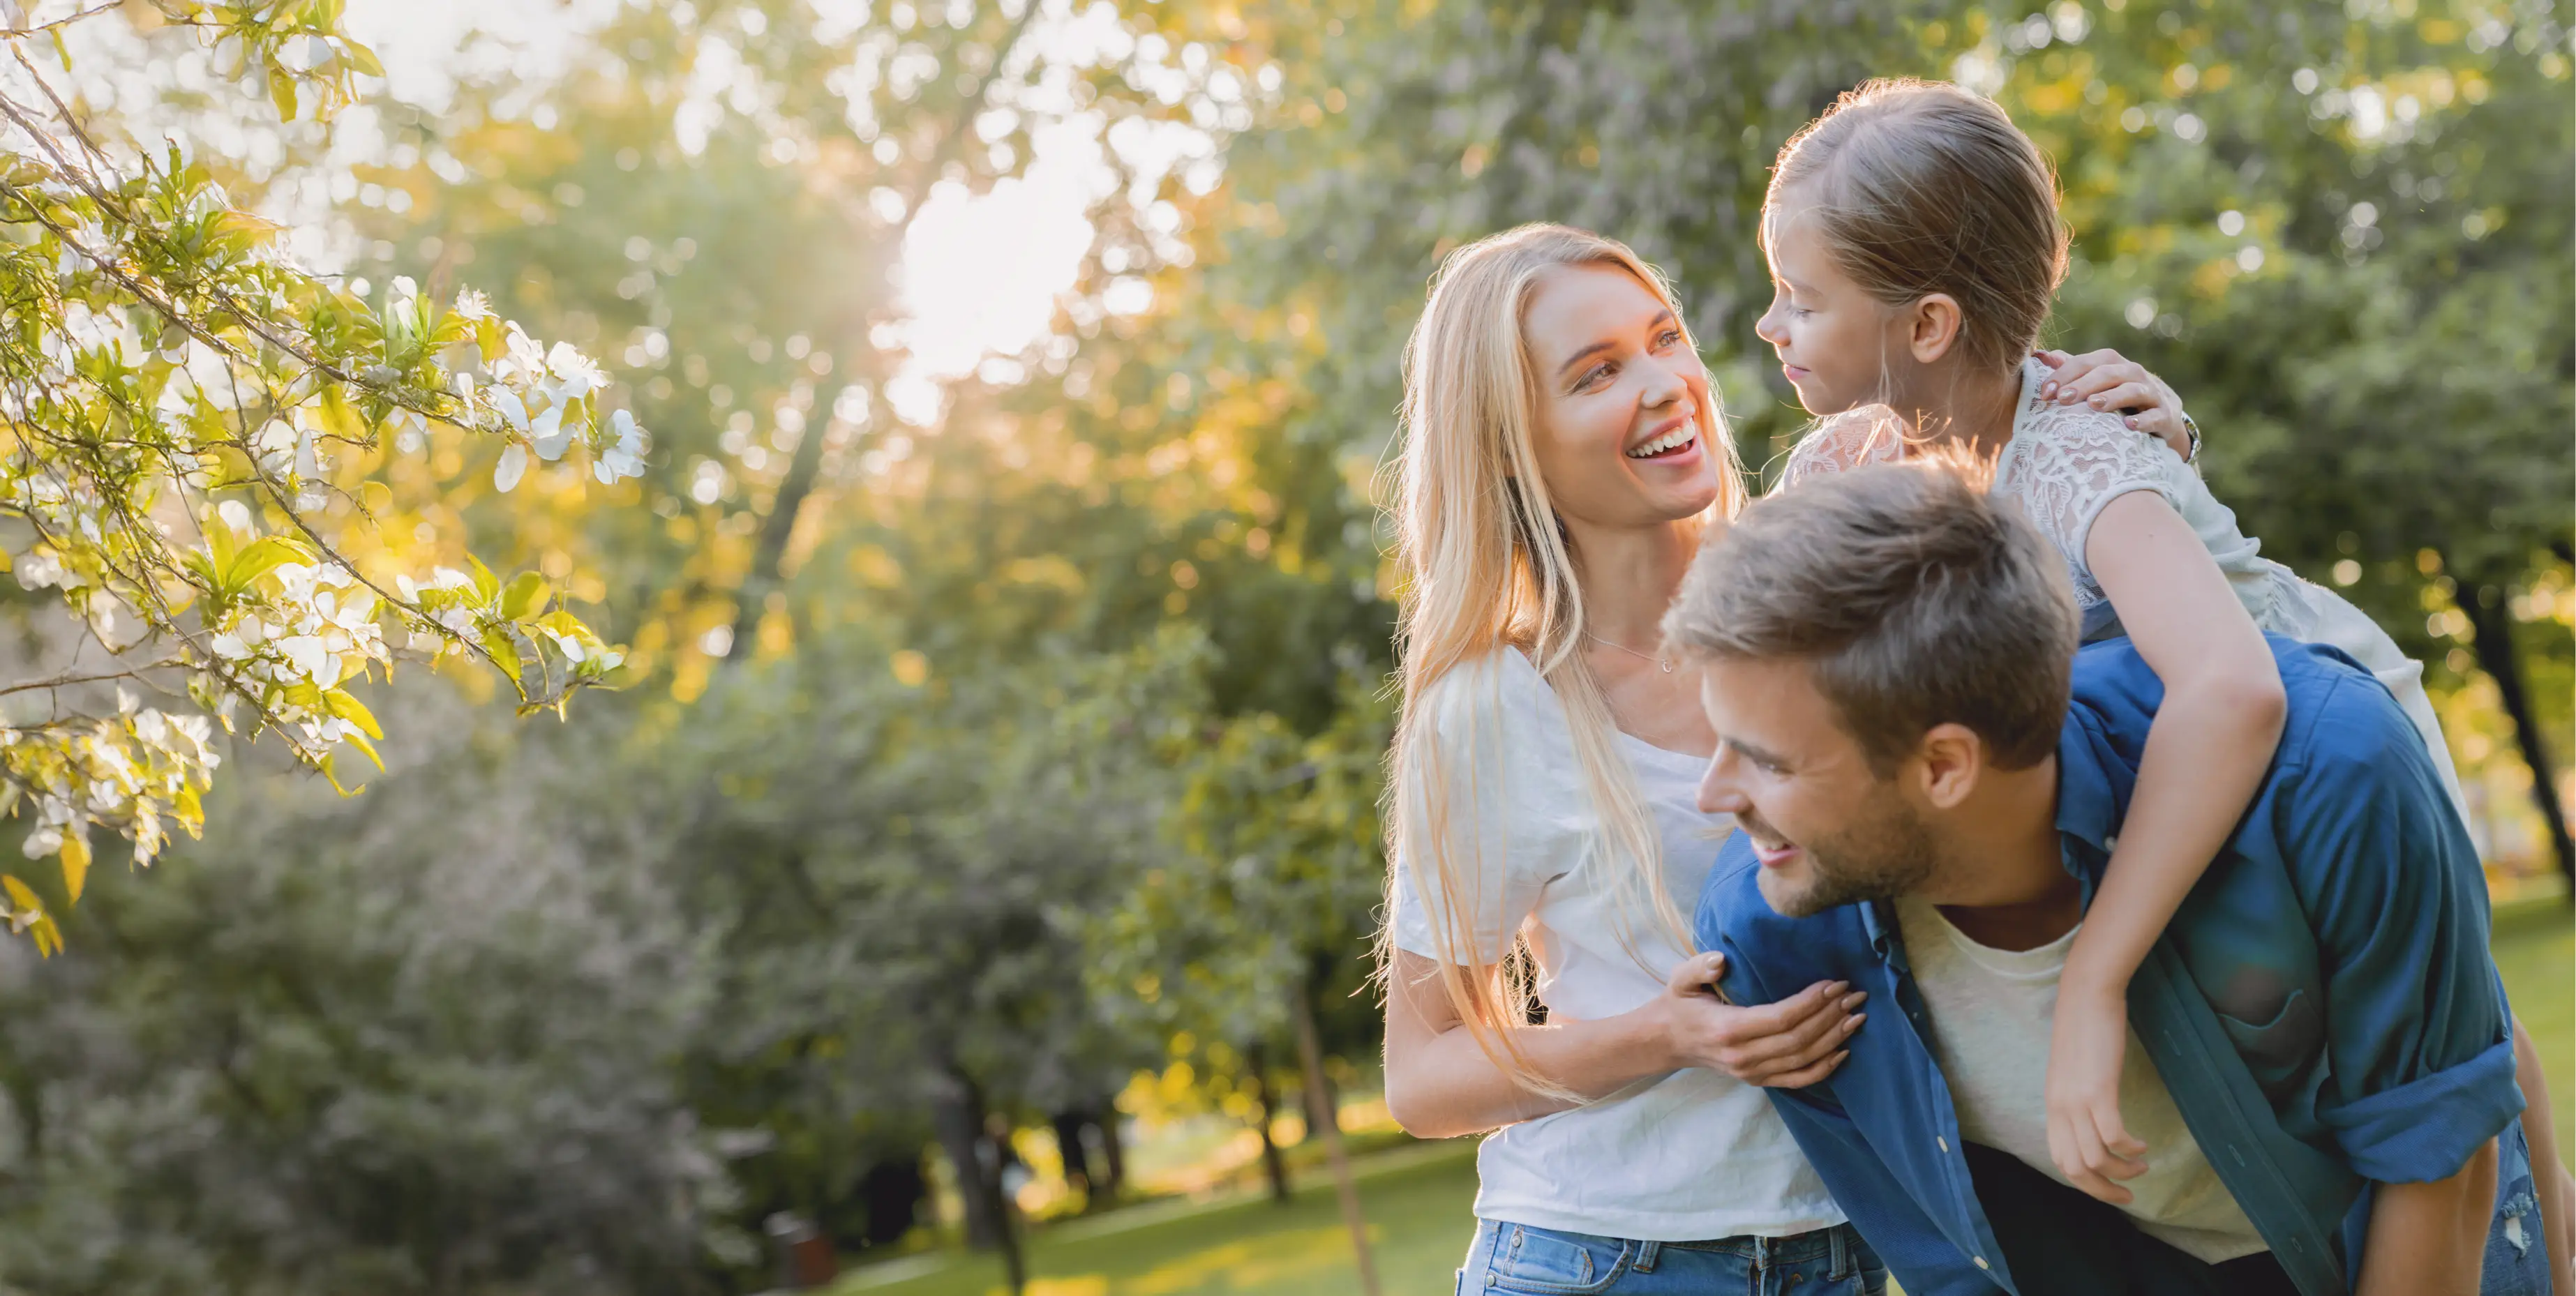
(2491, 628)
(1113, 1154)
(771, 549)
(957, 1118)
(1257, 1060)
(1069, 1148)
(1310, 1057)
(995, 1150)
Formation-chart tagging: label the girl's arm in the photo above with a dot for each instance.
(2429, 1239)
(1441, 1084)
(2549, 1179)
(2204, 759)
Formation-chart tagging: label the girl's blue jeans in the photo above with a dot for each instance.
(1519, 1260)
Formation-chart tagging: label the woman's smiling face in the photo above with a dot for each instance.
(1623, 406)
(1836, 343)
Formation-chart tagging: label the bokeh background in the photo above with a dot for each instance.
(972, 887)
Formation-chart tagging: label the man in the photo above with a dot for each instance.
(2320, 1060)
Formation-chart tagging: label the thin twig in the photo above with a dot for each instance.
(21, 33)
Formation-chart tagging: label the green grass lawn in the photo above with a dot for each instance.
(1417, 1198)
(2535, 948)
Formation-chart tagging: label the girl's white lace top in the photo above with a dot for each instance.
(2065, 462)
(2063, 465)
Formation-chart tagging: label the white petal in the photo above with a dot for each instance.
(507, 401)
(552, 437)
(513, 465)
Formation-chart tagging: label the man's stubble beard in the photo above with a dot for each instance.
(1887, 855)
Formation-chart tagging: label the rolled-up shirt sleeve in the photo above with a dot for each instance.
(2420, 1058)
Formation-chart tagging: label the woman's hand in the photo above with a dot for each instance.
(2105, 380)
(1787, 1045)
(2087, 1043)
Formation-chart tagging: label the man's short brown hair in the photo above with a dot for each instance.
(1915, 598)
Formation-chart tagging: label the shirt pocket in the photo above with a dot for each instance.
(2283, 1051)
(1544, 1262)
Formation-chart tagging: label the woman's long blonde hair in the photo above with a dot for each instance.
(1486, 566)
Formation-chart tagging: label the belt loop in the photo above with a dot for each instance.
(1839, 1247)
(1646, 1254)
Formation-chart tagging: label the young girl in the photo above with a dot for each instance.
(1914, 240)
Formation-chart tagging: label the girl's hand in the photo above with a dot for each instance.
(1787, 1045)
(2086, 1045)
(2105, 380)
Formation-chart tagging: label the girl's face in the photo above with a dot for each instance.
(1840, 347)
(1623, 405)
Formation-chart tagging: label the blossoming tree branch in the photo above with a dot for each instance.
(193, 431)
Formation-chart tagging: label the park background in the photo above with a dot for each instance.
(970, 870)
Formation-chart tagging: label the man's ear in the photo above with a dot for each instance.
(1949, 765)
(1933, 324)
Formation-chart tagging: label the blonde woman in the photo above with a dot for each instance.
(1562, 455)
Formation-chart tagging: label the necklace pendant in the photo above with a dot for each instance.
(1668, 666)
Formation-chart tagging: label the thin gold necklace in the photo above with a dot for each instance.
(1663, 663)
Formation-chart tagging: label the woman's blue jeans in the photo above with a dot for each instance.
(1518, 1260)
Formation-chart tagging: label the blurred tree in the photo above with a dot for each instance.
(416, 1042)
(1270, 893)
(195, 430)
(895, 879)
(647, 201)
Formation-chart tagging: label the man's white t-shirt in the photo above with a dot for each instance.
(1690, 1155)
(1990, 1012)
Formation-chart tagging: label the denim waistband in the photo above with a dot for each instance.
(1837, 1242)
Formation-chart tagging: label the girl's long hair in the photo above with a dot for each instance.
(1485, 566)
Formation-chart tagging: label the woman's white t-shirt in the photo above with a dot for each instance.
(1690, 1155)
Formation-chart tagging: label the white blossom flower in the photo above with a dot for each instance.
(39, 570)
(311, 658)
(524, 361)
(578, 375)
(474, 306)
(625, 457)
(553, 436)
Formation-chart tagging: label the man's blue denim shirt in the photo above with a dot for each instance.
(2323, 1008)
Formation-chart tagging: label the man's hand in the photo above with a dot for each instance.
(1788, 1045)
(2087, 1042)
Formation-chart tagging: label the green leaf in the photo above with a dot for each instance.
(339, 703)
(485, 583)
(362, 58)
(281, 91)
(526, 597)
(260, 558)
(338, 419)
(376, 497)
(75, 866)
(330, 770)
(505, 653)
(48, 937)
